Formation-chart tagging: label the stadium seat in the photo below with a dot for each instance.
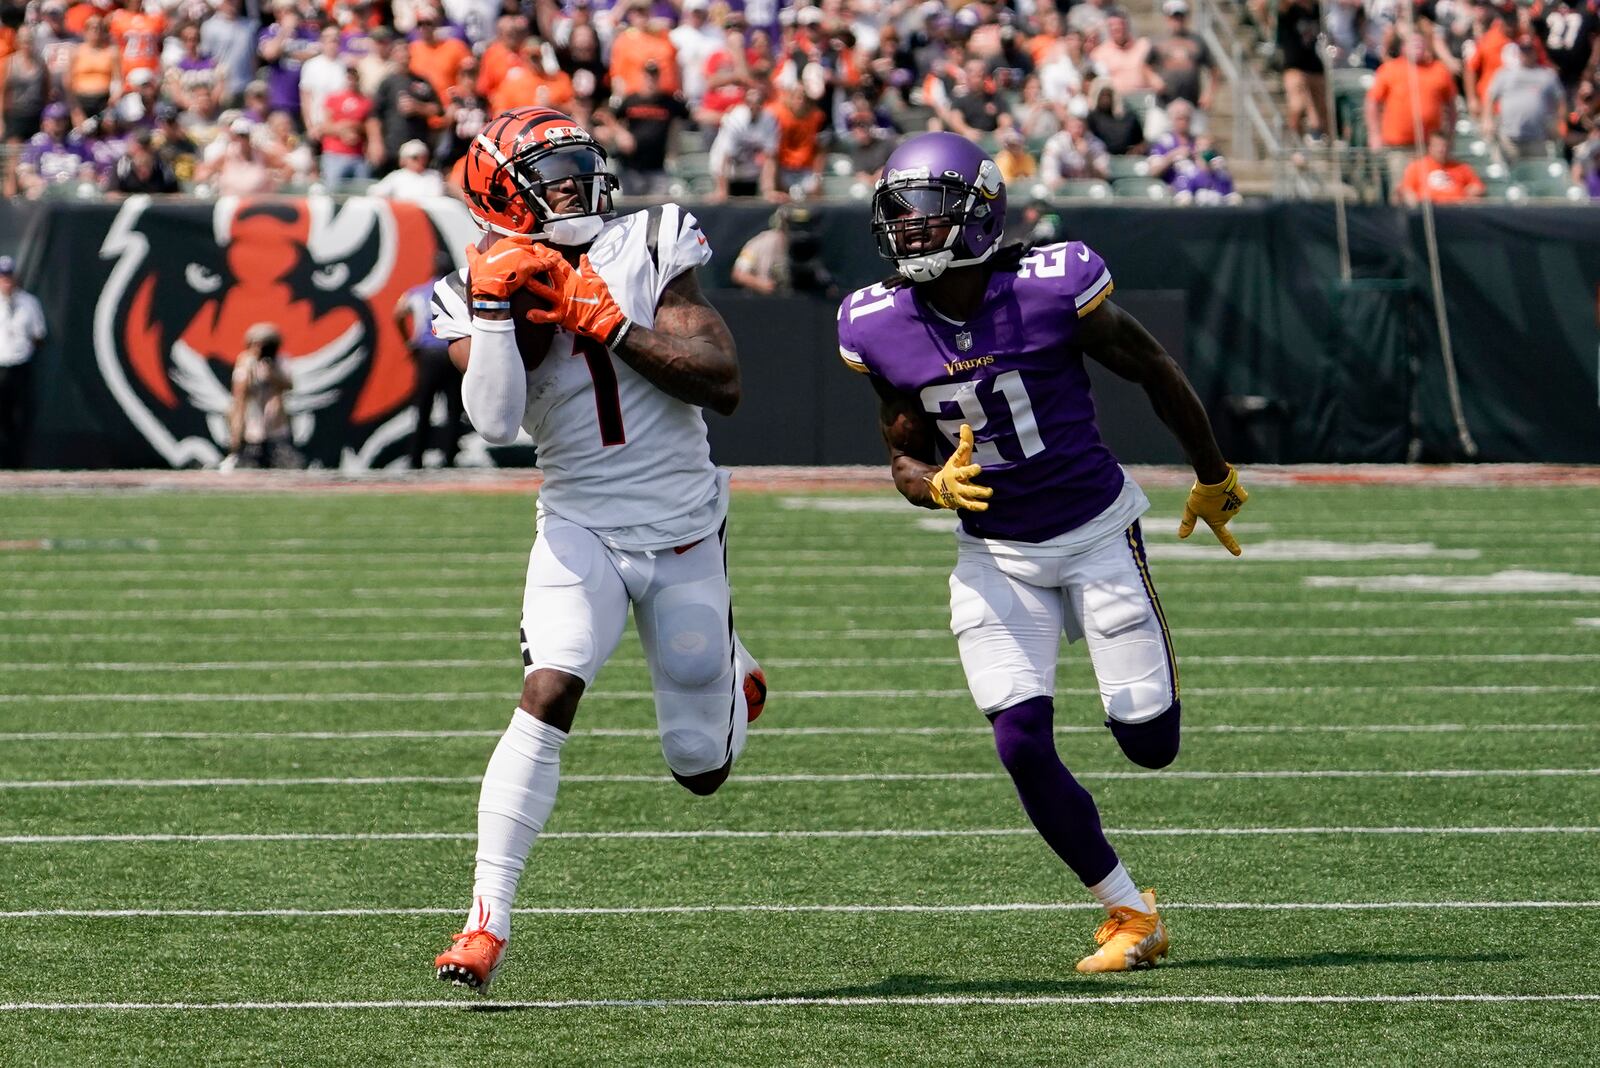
(845, 186)
(1090, 188)
(1141, 188)
(692, 164)
(1532, 171)
(1139, 102)
(1556, 187)
(1129, 167)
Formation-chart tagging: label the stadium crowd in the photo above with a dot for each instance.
(1517, 81)
(734, 98)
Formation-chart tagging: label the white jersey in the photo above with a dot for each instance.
(620, 457)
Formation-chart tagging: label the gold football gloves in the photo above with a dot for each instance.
(1215, 505)
(952, 485)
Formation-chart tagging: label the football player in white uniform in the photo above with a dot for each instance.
(590, 332)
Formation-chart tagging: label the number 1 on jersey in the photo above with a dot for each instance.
(607, 400)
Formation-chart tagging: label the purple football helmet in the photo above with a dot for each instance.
(934, 182)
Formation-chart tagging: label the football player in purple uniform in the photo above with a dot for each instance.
(976, 352)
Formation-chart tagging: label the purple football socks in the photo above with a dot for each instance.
(1059, 807)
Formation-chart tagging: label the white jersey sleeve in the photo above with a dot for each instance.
(452, 319)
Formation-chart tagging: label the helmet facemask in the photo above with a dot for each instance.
(570, 171)
(919, 223)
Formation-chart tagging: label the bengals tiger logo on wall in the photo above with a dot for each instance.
(172, 317)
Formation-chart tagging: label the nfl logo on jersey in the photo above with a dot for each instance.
(964, 341)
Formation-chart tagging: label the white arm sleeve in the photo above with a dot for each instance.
(494, 389)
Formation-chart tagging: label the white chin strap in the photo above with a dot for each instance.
(579, 230)
(927, 268)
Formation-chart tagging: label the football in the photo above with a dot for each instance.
(533, 339)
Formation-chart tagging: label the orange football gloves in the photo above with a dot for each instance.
(507, 267)
(580, 302)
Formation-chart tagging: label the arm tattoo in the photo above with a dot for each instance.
(1116, 339)
(689, 353)
(905, 431)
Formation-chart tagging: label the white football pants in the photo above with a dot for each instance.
(1009, 610)
(576, 604)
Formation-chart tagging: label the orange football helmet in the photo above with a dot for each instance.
(512, 165)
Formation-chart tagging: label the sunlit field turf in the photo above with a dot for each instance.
(240, 736)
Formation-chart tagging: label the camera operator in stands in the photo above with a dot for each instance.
(258, 422)
(785, 258)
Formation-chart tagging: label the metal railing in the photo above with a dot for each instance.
(1258, 123)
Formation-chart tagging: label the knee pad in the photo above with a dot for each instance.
(1152, 743)
(693, 751)
(693, 647)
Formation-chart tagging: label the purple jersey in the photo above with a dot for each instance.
(1015, 373)
(55, 161)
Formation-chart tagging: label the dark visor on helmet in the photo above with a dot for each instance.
(542, 168)
(904, 214)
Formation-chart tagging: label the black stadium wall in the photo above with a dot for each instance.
(147, 303)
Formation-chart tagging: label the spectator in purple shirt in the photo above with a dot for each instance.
(282, 47)
(52, 157)
(105, 142)
(190, 57)
(1190, 165)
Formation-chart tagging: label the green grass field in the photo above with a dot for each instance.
(240, 736)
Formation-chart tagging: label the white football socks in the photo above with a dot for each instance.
(1117, 889)
(519, 790)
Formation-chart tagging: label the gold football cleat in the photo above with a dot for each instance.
(1129, 939)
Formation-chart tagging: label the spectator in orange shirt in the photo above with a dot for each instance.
(95, 71)
(645, 39)
(434, 57)
(1487, 47)
(1437, 177)
(78, 16)
(800, 158)
(139, 34)
(529, 82)
(503, 53)
(1410, 88)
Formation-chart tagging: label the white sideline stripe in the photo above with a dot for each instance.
(403, 698)
(1587, 622)
(782, 732)
(176, 666)
(683, 910)
(901, 1001)
(805, 777)
(714, 833)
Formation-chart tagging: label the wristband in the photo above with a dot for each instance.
(491, 305)
(620, 334)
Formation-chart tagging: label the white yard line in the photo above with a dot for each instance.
(717, 833)
(802, 777)
(851, 909)
(889, 1001)
(464, 663)
(507, 612)
(405, 698)
(76, 737)
(498, 636)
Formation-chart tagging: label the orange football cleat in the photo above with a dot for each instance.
(471, 960)
(755, 692)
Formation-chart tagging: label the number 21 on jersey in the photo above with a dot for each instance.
(969, 397)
